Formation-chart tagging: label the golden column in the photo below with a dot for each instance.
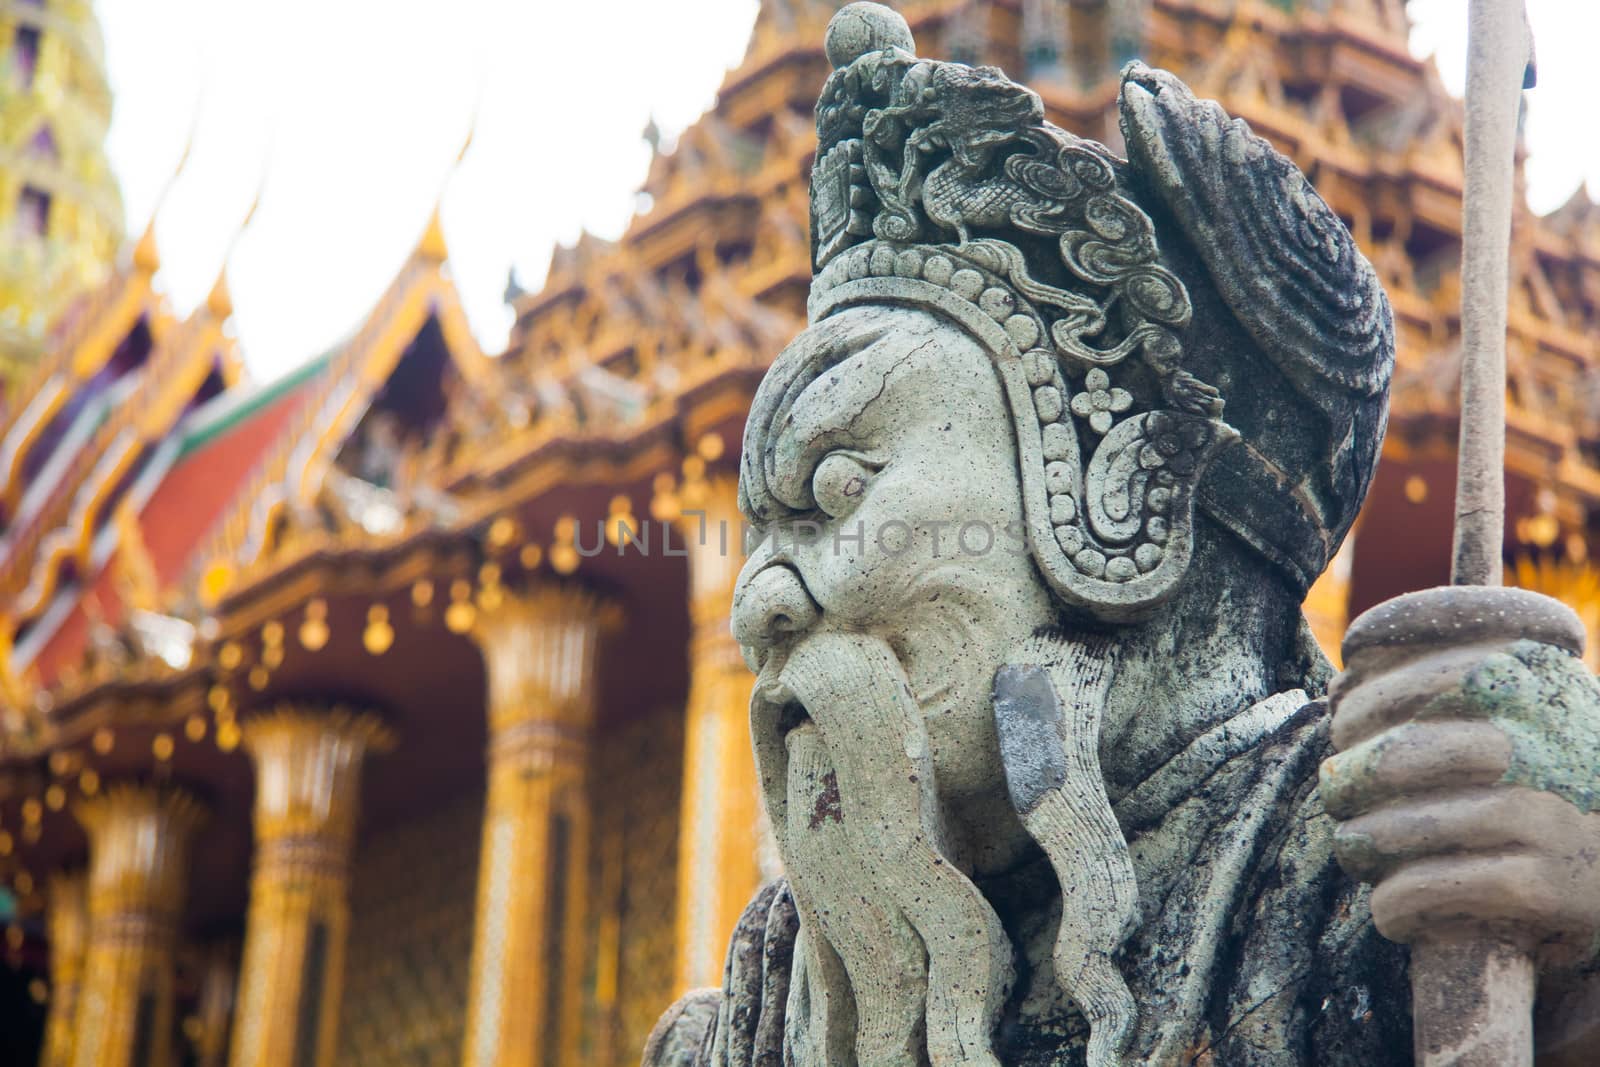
(539, 652)
(219, 978)
(308, 777)
(138, 864)
(718, 867)
(68, 926)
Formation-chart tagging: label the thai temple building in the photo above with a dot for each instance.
(388, 713)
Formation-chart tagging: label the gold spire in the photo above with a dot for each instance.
(60, 210)
(432, 245)
(220, 301)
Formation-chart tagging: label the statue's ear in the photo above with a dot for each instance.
(1282, 261)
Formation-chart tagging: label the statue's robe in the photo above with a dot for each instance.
(1253, 946)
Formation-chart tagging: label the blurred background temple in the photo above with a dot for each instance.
(387, 713)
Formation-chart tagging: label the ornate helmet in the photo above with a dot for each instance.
(1119, 301)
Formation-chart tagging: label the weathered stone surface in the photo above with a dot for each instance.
(1040, 489)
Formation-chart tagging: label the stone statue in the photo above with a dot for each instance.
(1038, 719)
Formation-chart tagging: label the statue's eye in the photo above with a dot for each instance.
(839, 482)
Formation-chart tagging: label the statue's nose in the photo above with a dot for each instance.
(767, 606)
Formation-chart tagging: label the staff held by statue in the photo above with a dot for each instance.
(1473, 982)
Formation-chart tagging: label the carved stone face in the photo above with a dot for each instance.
(906, 448)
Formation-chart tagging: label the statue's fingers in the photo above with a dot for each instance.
(1413, 758)
(1367, 702)
(1508, 890)
(1485, 820)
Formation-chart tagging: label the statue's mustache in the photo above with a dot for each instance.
(845, 763)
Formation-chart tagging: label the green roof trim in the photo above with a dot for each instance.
(233, 407)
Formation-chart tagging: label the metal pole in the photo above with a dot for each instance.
(1472, 993)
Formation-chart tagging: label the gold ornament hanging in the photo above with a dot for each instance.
(695, 492)
(378, 637)
(664, 503)
(621, 526)
(490, 595)
(460, 615)
(314, 630)
(564, 551)
(711, 447)
(502, 531)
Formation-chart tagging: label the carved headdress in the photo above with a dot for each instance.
(1120, 301)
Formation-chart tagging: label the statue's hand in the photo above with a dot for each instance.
(1466, 786)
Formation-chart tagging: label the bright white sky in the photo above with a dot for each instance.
(349, 114)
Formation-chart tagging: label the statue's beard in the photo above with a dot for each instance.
(901, 960)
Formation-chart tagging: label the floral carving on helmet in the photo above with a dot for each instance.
(1100, 402)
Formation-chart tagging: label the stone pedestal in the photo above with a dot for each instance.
(68, 924)
(539, 651)
(138, 863)
(717, 865)
(308, 767)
